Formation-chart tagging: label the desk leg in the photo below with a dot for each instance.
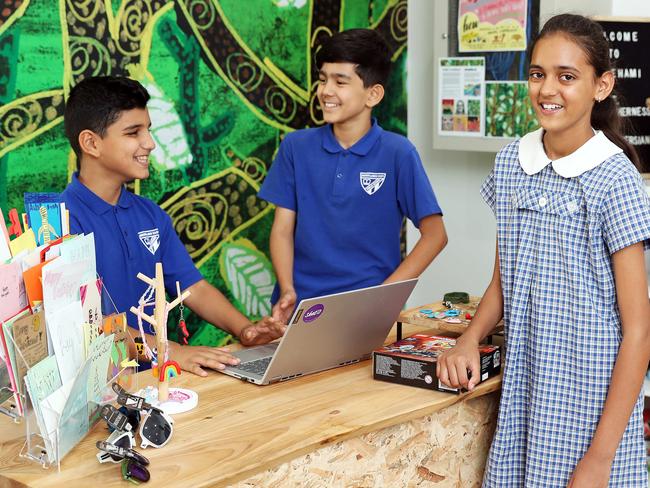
(399, 331)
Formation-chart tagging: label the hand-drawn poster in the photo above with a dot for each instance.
(492, 25)
(460, 95)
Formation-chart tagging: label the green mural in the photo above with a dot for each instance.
(227, 78)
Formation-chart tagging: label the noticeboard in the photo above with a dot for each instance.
(629, 39)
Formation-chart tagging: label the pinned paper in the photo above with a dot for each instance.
(12, 290)
(25, 242)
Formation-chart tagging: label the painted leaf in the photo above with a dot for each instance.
(172, 150)
(248, 275)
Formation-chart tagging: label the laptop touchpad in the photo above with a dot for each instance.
(257, 352)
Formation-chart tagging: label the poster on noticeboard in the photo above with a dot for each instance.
(492, 25)
(461, 96)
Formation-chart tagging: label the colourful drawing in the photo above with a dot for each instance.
(508, 112)
(226, 87)
(492, 25)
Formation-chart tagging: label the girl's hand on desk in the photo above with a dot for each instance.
(195, 358)
(452, 366)
(266, 330)
(284, 306)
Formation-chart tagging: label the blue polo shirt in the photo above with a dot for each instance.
(349, 204)
(130, 237)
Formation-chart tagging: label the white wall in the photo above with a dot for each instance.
(466, 264)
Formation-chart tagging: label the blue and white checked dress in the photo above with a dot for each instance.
(562, 325)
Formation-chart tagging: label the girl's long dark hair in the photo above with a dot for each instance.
(590, 37)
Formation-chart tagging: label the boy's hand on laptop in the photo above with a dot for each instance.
(195, 358)
(261, 332)
(284, 306)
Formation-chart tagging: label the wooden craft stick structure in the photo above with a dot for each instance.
(158, 284)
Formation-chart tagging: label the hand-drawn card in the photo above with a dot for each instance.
(9, 353)
(30, 339)
(34, 284)
(13, 298)
(99, 355)
(24, 242)
(42, 380)
(64, 327)
(81, 249)
(61, 283)
(44, 215)
(5, 251)
(116, 324)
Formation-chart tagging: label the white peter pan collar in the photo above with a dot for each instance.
(533, 159)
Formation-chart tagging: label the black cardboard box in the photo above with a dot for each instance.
(412, 361)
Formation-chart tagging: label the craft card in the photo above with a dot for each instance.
(30, 339)
(13, 298)
(65, 329)
(9, 353)
(99, 355)
(6, 391)
(81, 249)
(42, 380)
(44, 216)
(52, 408)
(61, 283)
(116, 324)
(25, 242)
(33, 284)
(5, 251)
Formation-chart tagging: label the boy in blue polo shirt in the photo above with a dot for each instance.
(107, 123)
(342, 190)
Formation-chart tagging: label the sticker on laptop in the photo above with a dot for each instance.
(313, 313)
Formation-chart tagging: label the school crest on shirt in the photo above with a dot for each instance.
(371, 182)
(150, 239)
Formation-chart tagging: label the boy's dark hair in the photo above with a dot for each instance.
(96, 103)
(364, 48)
(589, 36)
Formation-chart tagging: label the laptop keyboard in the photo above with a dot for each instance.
(258, 366)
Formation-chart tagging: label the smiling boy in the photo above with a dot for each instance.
(107, 124)
(342, 190)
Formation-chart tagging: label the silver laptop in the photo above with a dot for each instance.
(326, 332)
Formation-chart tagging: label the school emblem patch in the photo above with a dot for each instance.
(150, 239)
(371, 182)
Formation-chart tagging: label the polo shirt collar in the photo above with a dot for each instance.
(592, 153)
(360, 148)
(94, 202)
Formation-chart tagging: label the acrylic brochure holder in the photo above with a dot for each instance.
(58, 415)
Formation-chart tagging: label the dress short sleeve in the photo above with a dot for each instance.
(488, 191)
(625, 213)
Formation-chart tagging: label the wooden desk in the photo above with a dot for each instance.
(366, 432)
(413, 316)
